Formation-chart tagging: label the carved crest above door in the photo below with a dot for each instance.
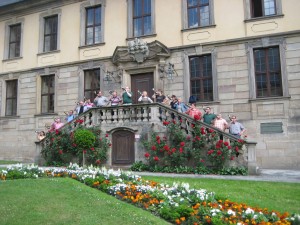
(139, 51)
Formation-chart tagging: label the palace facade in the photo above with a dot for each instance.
(239, 57)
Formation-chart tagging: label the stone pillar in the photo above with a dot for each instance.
(252, 165)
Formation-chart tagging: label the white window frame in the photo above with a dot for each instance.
(130, 19)
(7, 35)
(42, 28)
(266, 43)
(185, 15)
(83, 7)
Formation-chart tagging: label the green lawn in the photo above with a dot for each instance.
(5, 162)
(272, 195)
(65, 201)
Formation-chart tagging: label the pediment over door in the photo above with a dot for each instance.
(140, 51)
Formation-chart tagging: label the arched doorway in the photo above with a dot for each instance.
(123, 147)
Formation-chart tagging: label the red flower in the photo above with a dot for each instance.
(153, 147)
(147, 155)
(106, 135)
(92, 148)
(193, 125)
(156, 158)
(198, 138)
(158, 141)
(218, 146)
(229, 147)
(109, 144)
(166, 123)
(180, 120)
(98, 161)
(226, 143)
(180, 150)
(202, 160)
(210, 130)
(157, 137)
(173, 150)
(57, 131)
(84, 151)
(219, 152)
(60, 152)
(182, 144)
(166, 147)
(174, 121)
(188, 138)
(210, 152)
(220, 141)
(236, 148)
(197, 117)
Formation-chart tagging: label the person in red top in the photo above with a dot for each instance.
(194, 112)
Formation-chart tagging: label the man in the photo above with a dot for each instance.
(81, 108)
(221, 124)
(181, 106)
(236, 128)
(159, 96)
(100, 100)
(208, 117)
(193, 111)
(115, 99)
(127, 96)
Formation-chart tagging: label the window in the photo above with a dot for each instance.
(92, 14)
(14, 41)
(141, 17)
(198, 13)
(11, 98)
(91, 83)
(141, 21)
(93, 25)
(47, 93)
(50, 33)
(201, 77)
(267, 72)
(261, 8)
(13, 38)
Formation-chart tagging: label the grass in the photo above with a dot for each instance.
(282, 197)
(65, 201)
(6, 162)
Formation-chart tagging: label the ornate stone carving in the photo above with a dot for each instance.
(138, 50)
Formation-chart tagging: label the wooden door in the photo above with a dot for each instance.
(123, 148)
(142, 82)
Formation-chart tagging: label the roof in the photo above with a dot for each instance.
(9, 2)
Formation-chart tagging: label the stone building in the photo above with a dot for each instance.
(239, 57)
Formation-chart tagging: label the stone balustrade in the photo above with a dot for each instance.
(151, 114)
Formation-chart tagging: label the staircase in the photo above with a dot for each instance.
(142, 118)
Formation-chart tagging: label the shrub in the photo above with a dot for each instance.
(64, 146)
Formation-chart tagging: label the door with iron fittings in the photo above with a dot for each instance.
(123, 148)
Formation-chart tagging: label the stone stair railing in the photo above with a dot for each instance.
(149, 113)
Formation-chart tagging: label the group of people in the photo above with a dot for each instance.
(216, 120)
(235, 128)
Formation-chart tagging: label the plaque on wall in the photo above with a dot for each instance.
(271, 128)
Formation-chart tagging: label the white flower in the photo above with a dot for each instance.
(230, 212)
(249, 211)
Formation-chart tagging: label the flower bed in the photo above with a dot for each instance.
(178, 204)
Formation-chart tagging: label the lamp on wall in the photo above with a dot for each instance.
(167, 72)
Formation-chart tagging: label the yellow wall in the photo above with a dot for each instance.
(229, 19)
